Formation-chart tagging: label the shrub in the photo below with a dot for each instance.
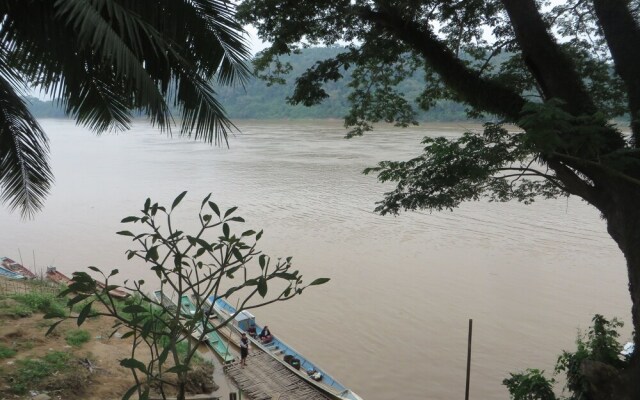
(530, 385)
(6, 352)
(77, 337)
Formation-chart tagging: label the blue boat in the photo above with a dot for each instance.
(10, 274)
(244, 321)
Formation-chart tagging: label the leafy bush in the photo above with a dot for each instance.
(29, 372)
(6, 352)
(599, 344)
(77, 337)
(530, 385)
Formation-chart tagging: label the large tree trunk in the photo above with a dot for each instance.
(622, 212)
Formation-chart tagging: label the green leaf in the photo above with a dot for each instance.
(262, 287)
(259, 235)
(94, 269)
(215, 208)
(230, 211)
(178, 369)
(133, 364)
(129, 219)
(130, 392)
(134, 308)
(205, 201)
(125, 233)
(147, 204)
(163, 355)
(225, 230)
(77, 299)
(127, 334)
(248, 233)
(262, 260)
(113, 272)
(237, 254)
(52, 327)
(319, 281)
(152, 254)
(178, 200)
(84, 313)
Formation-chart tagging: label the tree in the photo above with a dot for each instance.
(105, 61)
(213, 261)
(559, 74)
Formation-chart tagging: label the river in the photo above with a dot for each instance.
(392, 322)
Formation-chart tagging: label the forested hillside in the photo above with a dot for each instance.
(259, 101)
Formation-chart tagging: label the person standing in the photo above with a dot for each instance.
(244, 349)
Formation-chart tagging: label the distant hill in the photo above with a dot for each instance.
(259, 101)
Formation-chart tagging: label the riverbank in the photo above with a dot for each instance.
(71, 363)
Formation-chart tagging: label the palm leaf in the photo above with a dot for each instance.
(105, 59)
(25, 176)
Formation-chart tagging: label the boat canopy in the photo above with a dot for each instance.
(245, 320)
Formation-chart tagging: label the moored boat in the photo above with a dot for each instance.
(285, 354)
(10, 274)
(14, 267)
(212, 338)
(56, 276)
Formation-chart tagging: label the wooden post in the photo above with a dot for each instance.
(466, 391)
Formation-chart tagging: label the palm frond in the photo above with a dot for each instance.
(25, 176)
(105, 59)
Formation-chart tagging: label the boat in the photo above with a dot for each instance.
(117, 293)
(244, 322)
(13, 266)
(56, 276)
(212, 338)
(10, 274)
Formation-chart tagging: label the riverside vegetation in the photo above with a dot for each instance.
(213, 261)
(69, 363)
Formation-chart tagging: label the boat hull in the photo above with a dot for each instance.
(278, 349)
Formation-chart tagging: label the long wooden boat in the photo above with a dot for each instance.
(10, 274)
(285, 354)
(56, 276)
(212, 338)
(17, 268)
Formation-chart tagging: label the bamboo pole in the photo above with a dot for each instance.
(466, 391)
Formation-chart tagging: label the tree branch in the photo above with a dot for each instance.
(623, 37)
(549, 65)
(482, 93)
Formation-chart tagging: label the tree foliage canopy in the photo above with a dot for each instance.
(104, 60)
(549, 75)
(548, 70)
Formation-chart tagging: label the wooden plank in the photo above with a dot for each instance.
(264, 378)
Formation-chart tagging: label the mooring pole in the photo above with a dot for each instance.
(466, 391)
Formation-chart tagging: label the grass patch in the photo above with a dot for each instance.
(47, 303)
(30, 372)
(6, 352)
(77, 337)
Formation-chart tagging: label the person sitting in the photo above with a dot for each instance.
(265, 335)
(252, 331)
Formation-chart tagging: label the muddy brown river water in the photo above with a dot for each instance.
(392, 322)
